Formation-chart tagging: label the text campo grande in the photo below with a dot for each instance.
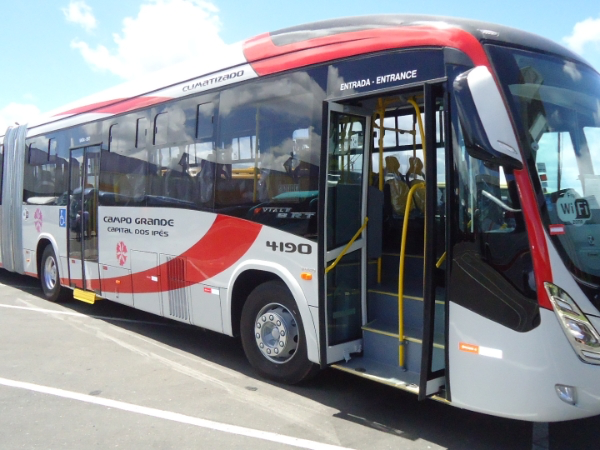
(138, 221)
(383, 79)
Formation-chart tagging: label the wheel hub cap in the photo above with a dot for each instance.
(276, 333)
(50, 276)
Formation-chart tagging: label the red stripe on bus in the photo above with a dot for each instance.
(224, 244)
(267, 58)
(115, 106)
(537, 237)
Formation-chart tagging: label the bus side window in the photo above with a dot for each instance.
(492, 271)
(272, 146)
(1, 169)
(123, 167)
(39, 184)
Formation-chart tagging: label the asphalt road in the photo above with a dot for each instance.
(77, 376)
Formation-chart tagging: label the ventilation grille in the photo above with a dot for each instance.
(178, 301)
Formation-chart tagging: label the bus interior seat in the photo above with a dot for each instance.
(392, 167)
(396, 186)
(415, 170)
(415, 176)
(278, 183)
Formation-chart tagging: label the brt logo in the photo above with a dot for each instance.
(573, 210)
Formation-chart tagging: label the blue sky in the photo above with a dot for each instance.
(56, 51)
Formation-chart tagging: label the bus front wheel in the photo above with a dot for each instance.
(273, 335)
(49, 275)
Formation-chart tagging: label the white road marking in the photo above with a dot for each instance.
(76, 314)
(298, 412)
(175, 417)
(30, 308)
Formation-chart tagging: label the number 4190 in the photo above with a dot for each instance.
(290, 247)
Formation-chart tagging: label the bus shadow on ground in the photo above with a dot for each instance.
(360, 401)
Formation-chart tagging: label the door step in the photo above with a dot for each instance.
(382, 373)
(386, 374)
(381, 344)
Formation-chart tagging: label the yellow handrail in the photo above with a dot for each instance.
(440, 261)
(382, 104)
(420, 121)
(401, 353)
(409, 200)
(381, 113)
(341, 255)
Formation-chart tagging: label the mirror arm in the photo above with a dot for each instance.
(499, 202)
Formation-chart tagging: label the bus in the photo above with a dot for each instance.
(410, 199)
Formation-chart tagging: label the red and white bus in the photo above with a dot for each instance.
(409, 199)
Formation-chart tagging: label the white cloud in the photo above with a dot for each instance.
(585, 40)
(80, 13)
(165, 32)
(16, 112)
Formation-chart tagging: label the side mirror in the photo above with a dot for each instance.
(487, 130)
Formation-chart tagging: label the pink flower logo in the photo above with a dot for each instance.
(122, 253)
(38, 220)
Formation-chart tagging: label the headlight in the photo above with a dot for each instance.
(582, 335)
(581, 332)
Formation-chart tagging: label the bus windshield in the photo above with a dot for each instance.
(556, 106)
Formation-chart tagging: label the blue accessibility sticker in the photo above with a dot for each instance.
(62, 217)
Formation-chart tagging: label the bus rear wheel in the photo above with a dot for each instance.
(273, 335)
(50, 275)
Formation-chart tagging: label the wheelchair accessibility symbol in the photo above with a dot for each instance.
(62, 218)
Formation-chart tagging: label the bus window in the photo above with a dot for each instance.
(39, 184)
(491, 254)
(268, 156)
(123, 167)
(592, 136)
(161, 128)
(141, 131)
(1, 168)
(592, 181)
(205, 121)
(556, 163)
(171, 183)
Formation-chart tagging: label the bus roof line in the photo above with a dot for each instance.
(268, 58)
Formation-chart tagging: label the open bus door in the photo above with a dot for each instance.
(82, 217)
(390, 326)
(345, 256)
(438, 159)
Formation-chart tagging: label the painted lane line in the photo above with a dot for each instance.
(175, 417)
(29, 308)
(76, 314)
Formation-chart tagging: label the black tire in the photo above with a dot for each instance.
(50, 275)
(273, 335)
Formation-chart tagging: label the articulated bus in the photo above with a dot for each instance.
(410, 199)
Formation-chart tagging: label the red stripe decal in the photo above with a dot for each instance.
(267, 58)
(115, 106)
(227, 240)
(537, 238)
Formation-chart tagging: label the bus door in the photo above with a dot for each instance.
(438, 162)
(345, 232)
(82, 220)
